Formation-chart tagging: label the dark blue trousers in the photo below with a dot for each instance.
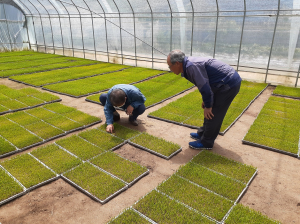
(223, 96)
(136, 112)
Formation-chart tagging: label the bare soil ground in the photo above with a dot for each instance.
(274, 191)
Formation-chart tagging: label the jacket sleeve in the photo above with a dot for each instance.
(108, 112)
(135, 97)
(199, 77)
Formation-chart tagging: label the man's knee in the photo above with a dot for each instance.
(141, 109)
(103, 98)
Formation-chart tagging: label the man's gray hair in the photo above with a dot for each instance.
(117, 97)
(176, 56)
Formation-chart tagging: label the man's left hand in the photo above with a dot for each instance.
(208, 113)
(129, 110)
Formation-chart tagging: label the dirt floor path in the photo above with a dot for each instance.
(275, 191)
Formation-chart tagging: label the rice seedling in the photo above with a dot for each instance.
(129, 216)
(121, 131)
(8, 187)
(287, 91)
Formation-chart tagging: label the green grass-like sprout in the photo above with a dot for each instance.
(8, 187)
(129, 216)
(287, 91)
(121, 131)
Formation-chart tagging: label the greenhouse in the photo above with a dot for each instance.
(72, 153)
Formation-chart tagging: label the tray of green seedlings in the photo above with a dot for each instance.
(214, 180)
(187, 111)
(121, 131)
(291, 92)
(12, 100)
(209, 204)
(160, 208)
(67, 74)
(28, 58)
(162, 88)
(94, 99)
(276, 127)
(92, 85)
(73, 62)
(243, 214)
(130, 216)
(155, 145)
(101, 139)
(80, 147)
(18, 53)
(16, 136)
(29, 171)
(9, 187)
(56, 158)
(128, 171)
(97, 184)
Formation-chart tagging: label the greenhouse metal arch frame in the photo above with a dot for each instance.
(259, 39)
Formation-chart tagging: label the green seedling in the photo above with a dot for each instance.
(80, 147)
(8, 187)
(22, 118)
(242, 214)
(94, 98)
(59, 108)
(57, 159)
(218, 183)
(287, 91)
(30, 101)
(82, 118)
(18, 53)
(121, 131)
(102, 82)
(13, 104)
(156, 144)
(103, 140)
(129, 216)
(63, 123)
(118, 166)
(57, 67)
(44, 130)
(5, 147)
(40, 79)
(196, 197)
(162, 209)
(27, 170)
(28, 58)
(94, 181)
(225, 166)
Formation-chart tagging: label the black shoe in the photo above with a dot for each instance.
(116, 116)
(133, 122)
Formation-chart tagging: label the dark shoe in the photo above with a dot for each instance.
(195, 136)
(116, 116)
(197, 145)
(133, 122)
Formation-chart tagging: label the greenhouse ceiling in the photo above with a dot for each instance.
(251, 35)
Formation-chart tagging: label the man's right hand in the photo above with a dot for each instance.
(110, 128)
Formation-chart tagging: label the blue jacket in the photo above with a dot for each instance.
(134, 97)
(206, 73)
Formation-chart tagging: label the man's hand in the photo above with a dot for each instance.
(208, 113)
(203, 106)
(129, 110)
(110, 128)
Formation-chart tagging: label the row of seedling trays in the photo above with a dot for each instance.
(205, 190)
(37, 62)
(187, 110)
(12, 100)
(84, 160)
(25, 129)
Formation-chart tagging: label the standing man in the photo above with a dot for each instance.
(124, 96)
(218, 84)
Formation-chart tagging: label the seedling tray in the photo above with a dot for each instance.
(284, 91)
(130, 216)
(103, 82)
(93, 177)
(145, 141)
(120, 167)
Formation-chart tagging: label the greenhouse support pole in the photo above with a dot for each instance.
(70, 28)
(242, 33)
(297, 77)
(50, 25)
(62, 39)
(171, 13)
(192, 35)
(216, 29)
(92, 27)
(9, 37)
(134, 32)
(41, 24)
(152, 49)
(121, 41)
(272, 40)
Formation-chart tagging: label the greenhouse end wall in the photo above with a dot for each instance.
(260, 39)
